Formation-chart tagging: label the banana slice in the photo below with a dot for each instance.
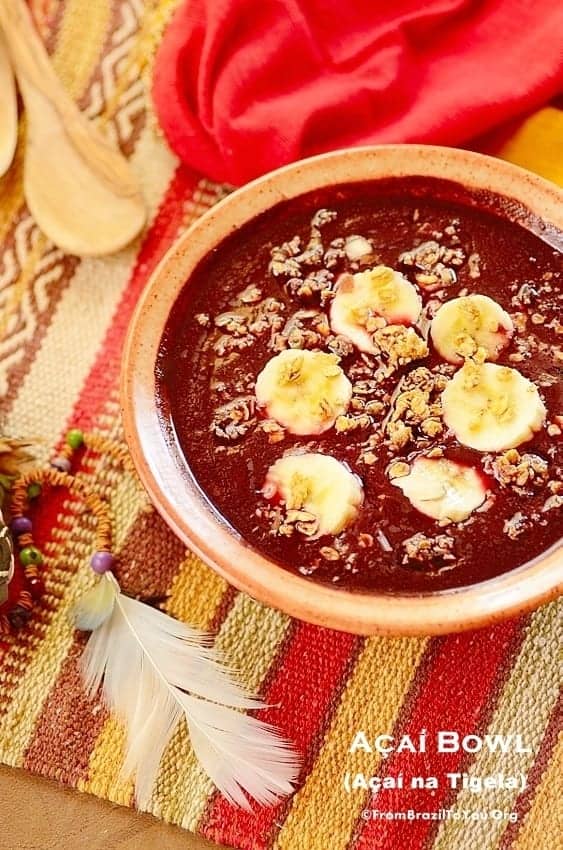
(321, 491)
(303, 390)
(370, 300)
(443, 489)
(492, 408)
(463, 325)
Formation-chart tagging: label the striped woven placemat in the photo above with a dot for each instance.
(62, 325)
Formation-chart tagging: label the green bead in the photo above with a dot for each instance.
(31, 556)
(33, 491)
(75, 438)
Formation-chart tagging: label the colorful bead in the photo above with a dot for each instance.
(21, 525)
(36, 587)
(31, 555)
(61, 463)
(18, 616)
(101, 562)
(33, 491)
(75, 438)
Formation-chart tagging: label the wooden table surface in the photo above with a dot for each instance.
(37, 814)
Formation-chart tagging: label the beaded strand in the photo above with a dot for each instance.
(28, 487)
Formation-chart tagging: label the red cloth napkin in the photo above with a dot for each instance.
(243, 86)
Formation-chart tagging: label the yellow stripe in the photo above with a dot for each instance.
(196, 594)
(371, 701)
(183, 789)
(80, 40)
(138, 62)
(536, 144)
(543, 825)
(123, 491)
(105, 764)
(519, 711)
(249, 623)
(195, 597)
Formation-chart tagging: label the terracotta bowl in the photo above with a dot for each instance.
(172, 487)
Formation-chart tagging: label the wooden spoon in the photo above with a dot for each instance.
(80, 190)
(8, 110)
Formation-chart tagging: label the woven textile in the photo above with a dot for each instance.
(62, 325)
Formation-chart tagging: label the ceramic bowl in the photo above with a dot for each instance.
(172, 487)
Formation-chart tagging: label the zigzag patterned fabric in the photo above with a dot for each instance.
(62, 326)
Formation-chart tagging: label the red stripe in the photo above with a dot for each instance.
(105, 372)
(456, 692)
(302, 694)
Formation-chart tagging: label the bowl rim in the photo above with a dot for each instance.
(173, 489)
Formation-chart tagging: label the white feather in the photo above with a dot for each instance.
(156, 672)
(95, 606)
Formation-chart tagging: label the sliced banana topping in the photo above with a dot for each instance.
(318, 486)
(303, 390)
(464, 325)
(441, 488)
(369, 300)
(492, 408)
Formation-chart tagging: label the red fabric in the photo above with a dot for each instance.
(243, 86)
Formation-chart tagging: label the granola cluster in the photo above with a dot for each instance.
(285, 522)
(434, 264)
(234, 419)
(247, 321)
(309, 269)
(416, 411)
(422, 551)
(303, 329)
(296, 262)
(523, 473)
(397, 346)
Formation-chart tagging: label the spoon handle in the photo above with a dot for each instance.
(30, 59)
(8, 110)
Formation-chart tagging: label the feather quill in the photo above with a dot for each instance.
(156, 672)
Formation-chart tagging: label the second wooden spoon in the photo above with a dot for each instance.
(79, 189)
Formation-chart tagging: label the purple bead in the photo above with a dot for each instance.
(21, 525)
(61, 463)
(101, 562)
